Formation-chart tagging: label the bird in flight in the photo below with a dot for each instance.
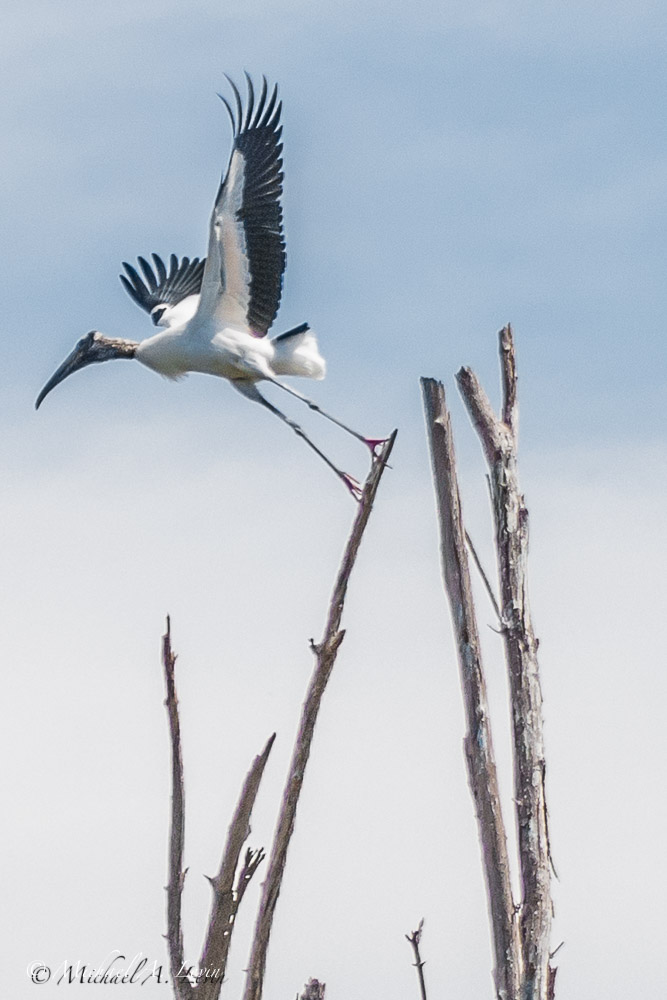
(216, 312)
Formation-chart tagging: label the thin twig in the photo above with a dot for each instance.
(182, 986)
(253, 860)
(485, 579)
(478, 744)
(556, 949)
(419, 963)
(325, 654)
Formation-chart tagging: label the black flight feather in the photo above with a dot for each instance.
(256, 134)
(162, 287)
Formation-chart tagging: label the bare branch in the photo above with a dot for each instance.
(325, 654)
(478, 743)
(492, 433)
(227, 897)
(414, 940)
(499, 442)
(485, 579)
(182, 986)
(510, 409)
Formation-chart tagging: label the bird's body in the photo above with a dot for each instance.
(215, 313)
(231, 353)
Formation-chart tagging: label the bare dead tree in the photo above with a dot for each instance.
(478, 745)
(520, 932)
(227, 894)
(230, 883)
(325, 657)
(415, 939)
(177, 833)
(499, 441)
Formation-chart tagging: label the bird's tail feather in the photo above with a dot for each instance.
(297, 353)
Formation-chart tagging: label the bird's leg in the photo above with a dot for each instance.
(371, 443)
(351, 483)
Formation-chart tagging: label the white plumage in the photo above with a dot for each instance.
(214, 314)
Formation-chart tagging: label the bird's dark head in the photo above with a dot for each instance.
(92, 348)
(157, 313)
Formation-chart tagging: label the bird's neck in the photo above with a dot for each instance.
(116, 347)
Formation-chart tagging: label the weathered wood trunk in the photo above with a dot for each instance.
(521, 948)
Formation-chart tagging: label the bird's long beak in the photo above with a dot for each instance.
(90, 349)
(72, 363)
(82, 355)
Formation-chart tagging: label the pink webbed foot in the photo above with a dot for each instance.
(373, 444)
(353, 486)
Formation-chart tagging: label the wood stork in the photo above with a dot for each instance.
(216, 312)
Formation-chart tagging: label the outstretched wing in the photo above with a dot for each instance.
(159, 291)
(243, 276)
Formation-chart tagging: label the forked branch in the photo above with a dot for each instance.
(498, 436)
(521, 947)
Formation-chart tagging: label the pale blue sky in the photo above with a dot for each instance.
(448, 168)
